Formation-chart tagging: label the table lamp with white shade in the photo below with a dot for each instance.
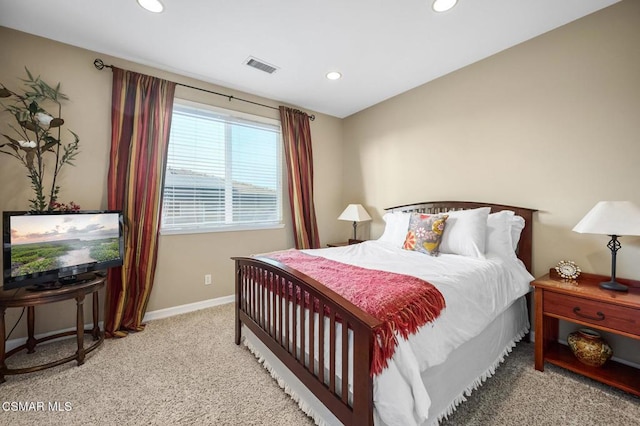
(613, 218)
(355, 213)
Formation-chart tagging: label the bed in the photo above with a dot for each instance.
(302, 331)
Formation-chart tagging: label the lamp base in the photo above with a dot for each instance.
(614, 285)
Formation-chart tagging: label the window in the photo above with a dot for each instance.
(223, 171)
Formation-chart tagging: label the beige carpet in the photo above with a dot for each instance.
(186, 370)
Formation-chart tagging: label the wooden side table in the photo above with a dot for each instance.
(583, 302)
(345, 243)
(18, 298)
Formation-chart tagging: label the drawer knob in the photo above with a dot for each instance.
(600, 315)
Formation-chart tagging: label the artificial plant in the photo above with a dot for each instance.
(38, 132)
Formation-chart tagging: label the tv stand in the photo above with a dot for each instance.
(53, 285)
(30, 299)
(61, 282)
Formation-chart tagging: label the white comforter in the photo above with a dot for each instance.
(475, 290)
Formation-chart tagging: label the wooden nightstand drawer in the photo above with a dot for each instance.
(598, 313)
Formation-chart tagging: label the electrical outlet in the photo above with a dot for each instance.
(207, 279)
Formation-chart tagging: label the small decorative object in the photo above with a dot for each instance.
(38, 133)
(589, 347)
(612, 218)
(568, 270)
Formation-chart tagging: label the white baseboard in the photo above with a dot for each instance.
(14, 343)
(149, 316)
(183, 309)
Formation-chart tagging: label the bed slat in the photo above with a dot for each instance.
(321, 344)
(332, 353)
(345, 362)
(312, 334)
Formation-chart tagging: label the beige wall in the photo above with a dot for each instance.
(552, 124)
(183, 259)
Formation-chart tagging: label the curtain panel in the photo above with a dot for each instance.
(140, 122)
(296, 135)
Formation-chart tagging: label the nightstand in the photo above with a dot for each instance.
(583, 302)
(345, 243)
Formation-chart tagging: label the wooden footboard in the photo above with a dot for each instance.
(271, 299)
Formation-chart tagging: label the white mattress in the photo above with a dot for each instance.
(476, 291)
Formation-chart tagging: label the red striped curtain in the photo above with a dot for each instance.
(296, 134)
(140, 121)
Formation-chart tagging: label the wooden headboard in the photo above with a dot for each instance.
(524, 251)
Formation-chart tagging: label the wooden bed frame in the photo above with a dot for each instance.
(261, 291)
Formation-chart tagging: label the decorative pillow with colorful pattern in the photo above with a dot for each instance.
(425, 233)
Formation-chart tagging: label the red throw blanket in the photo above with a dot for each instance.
(403, 303)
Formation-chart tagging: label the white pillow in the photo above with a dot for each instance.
(396, 227)
(517, 225)
(499, 239)
(503, 233)
(466, 232)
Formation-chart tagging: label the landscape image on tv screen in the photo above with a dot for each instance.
(42, 243)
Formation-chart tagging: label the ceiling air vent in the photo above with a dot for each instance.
(260, 65)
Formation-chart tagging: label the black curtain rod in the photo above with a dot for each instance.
(99, 64)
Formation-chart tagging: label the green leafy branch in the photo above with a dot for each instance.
(38, 132)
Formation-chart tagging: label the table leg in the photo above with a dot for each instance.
(540, 338)
(80, 329)
(96, 315)
(31, 321)
(3, 366)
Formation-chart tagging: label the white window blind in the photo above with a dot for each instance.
(223, 171)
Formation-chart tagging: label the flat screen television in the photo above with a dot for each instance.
(44, 250)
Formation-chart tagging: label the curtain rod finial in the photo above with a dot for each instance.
(99, 64)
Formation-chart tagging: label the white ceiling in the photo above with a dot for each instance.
(382, 47)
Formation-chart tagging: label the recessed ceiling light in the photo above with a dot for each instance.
(151, 5)
(333, 75)
(443, 5)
